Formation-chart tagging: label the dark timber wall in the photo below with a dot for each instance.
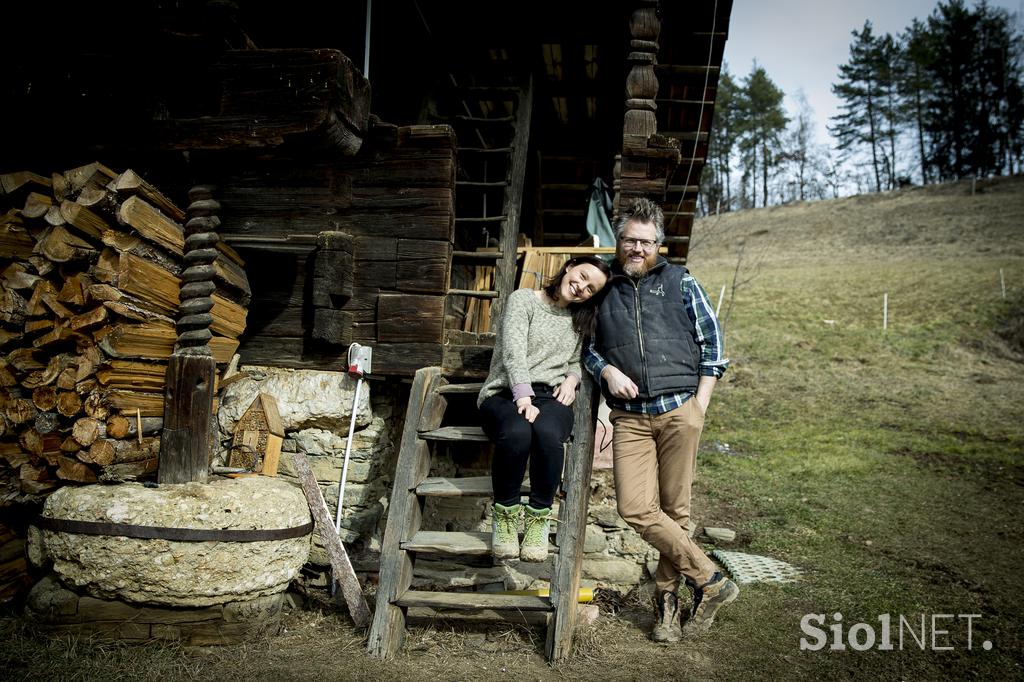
(395, 198)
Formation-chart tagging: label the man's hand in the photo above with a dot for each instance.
(565, 392)
(526, 408)
(705, 387)
(619, 384)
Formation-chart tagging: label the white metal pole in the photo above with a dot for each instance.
(366, 50)
(1002, 282)
(348, 450)
(885, 311)
(720, 297)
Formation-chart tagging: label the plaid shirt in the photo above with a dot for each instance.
(708, 335)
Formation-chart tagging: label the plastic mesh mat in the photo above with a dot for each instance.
(751, 568)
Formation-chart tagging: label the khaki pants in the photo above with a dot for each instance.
(655, 460)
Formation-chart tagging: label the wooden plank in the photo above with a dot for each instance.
(456, 433)
(467, 361)
(572, 526)
(461, 388)
(423, 265)
(466, 486)
(405, 358)
(341, 567)
(425, 614)
(388, 628)
(410, 318)
(475, 600)
(440, 542)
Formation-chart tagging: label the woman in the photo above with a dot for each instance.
(525, 401)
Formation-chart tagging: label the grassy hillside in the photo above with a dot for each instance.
(886, 464)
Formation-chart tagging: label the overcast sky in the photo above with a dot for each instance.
(800, 43)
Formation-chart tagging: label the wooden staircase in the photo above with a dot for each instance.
(405, 538)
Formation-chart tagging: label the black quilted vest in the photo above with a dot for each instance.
(643, 330)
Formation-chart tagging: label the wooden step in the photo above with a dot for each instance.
(474, 600)
(456, 433)
(473, 293)
(485, 150)
(441, 542)
(486, 219)
(482, 122)
(456, 542)
(477, 255)
(461, 388)
(465, 486)
(474, 183)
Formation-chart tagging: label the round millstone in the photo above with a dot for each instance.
(177, 573)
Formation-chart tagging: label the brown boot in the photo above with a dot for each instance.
(707, 600)
(666, 628)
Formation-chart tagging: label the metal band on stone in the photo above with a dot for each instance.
(126, 530)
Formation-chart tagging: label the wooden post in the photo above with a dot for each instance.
(572, 528)
(185, 447)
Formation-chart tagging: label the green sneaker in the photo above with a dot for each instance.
(535, 538)
(505, 533)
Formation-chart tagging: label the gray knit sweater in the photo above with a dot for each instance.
(535, 344)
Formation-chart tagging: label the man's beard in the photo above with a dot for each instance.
(638, 269)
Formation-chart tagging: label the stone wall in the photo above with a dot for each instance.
(316, 409)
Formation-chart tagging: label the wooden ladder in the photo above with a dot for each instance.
(494, 133)
(405, 538)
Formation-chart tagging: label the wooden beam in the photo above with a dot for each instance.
(341, 567)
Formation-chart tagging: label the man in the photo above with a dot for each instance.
(657, 355)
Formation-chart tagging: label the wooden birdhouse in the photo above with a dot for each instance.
(256, 445)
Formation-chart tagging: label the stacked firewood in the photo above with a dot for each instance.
(90, 265)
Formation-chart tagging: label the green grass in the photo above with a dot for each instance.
(886, 464)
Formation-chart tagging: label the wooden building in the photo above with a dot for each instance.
(364, 207)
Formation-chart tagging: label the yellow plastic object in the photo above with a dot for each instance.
(585, 595)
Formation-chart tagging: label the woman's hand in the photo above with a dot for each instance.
(565, 392)
(526, 408)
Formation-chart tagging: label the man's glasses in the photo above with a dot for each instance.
(645, 244)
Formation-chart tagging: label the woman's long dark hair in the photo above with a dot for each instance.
(584, 315)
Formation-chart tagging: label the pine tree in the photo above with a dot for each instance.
(860, 87)
(762, 120)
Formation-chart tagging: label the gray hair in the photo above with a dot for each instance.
(642, 210)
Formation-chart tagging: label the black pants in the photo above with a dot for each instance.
(514, 440)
